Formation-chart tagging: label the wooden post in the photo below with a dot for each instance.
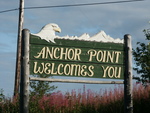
(24, 84)
(128, 99)
(18, 59)
(75, 81)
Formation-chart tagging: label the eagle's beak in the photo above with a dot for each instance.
(57, 30)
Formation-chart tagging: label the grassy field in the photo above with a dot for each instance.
(106, 101)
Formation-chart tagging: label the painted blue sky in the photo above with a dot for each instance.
(115, 19)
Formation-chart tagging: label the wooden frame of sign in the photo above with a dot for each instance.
(75, 58)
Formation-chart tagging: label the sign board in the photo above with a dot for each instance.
(76, 58)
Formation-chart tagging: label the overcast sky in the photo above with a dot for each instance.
(115, 19)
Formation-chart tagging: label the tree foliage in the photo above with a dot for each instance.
(142, 60)
(39, 88)
(1, 95)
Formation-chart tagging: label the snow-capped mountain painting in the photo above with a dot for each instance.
(48, 33)
(99, 37)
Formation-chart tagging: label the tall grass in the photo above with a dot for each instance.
(81, 102)
(141, 99)
(104, 101)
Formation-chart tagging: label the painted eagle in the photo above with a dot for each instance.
(48, 32)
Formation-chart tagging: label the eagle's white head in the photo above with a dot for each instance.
(48, 32)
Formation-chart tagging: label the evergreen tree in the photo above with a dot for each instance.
(40, 88)
(142, 60)
(1, 95)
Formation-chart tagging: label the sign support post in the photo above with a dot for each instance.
(24, 84)
(128, 99)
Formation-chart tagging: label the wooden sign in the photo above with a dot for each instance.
(96, 57)
(76, 58)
